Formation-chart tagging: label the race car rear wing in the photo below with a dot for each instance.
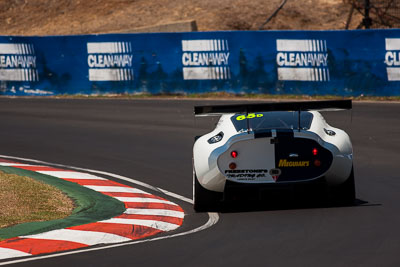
(215, 110)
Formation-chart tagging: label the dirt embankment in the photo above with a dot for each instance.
(64, 17)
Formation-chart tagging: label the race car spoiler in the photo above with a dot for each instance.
(275, 106)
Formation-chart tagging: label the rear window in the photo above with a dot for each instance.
(272, 120)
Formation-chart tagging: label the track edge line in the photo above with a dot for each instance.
(213, 217)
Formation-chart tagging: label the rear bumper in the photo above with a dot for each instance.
(273, 191)
(213, 171)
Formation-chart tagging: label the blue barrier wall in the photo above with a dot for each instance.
(346, 63)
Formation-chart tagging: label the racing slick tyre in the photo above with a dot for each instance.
(204, 200)
(345, 193)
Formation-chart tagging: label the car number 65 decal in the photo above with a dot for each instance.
(249, 116)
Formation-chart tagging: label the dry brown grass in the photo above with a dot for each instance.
(23, 199)
(55, 17)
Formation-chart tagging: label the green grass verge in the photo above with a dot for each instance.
(90, 206)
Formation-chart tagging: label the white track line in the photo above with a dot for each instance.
(71, 175)
(155, 212)
(213, 217)
(145, 200)
(6, 252)
(115, 189)
(6, 164)
(84, 237)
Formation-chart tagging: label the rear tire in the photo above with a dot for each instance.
(203, 199)
(345, 194)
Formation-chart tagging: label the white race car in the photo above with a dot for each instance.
(256, 148)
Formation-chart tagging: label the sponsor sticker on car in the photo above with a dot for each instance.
(246, 174)
(290, 163)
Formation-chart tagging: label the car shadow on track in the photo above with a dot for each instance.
(285, 204)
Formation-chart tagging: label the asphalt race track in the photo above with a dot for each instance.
(151, 141)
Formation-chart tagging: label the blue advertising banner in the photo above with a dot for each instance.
(343, 63)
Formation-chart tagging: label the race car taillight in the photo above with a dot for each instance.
(317, 163)
(315, 151)
(232, 165)
(234, 154)
(216, 138)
